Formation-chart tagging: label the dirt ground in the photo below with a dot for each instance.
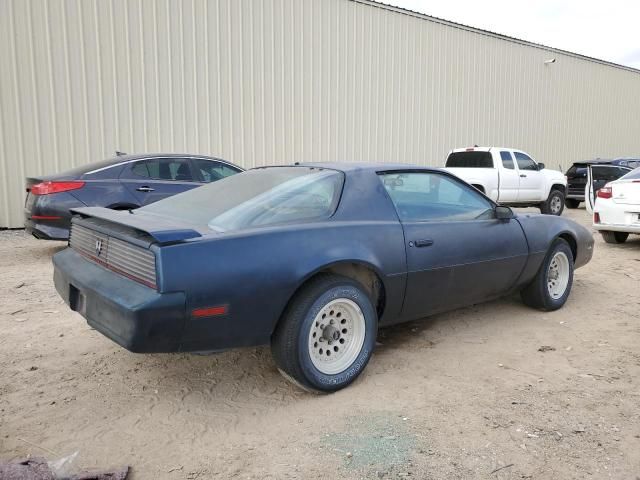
(466, 394)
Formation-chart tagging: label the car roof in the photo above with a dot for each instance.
(364, 166)
(99, 165)
(605, 161)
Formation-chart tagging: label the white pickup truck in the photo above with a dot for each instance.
(510, 177)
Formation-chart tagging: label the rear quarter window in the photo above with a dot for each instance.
(470, 160)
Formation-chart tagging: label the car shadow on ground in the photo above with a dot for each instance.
(238, 377)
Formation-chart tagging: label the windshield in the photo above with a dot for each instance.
(260, 197)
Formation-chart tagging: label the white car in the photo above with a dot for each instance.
(510, 177)
(615, 207)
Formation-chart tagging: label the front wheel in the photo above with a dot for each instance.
(551, 286)
(614, 237)
(554, 204)
(327, 335)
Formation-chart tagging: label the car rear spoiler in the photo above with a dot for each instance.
(162, 229)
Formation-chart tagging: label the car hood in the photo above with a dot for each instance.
(555, 175)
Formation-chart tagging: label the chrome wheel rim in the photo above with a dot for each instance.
(336, 336)
(558, 275)
(556, 203)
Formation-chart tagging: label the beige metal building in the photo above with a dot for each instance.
(276, 81)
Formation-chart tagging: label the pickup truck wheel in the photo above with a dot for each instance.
(551, 286)
(614, 237)
(554, 204)
(572, 203)
(327, 334)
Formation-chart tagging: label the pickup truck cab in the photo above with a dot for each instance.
(510, 177)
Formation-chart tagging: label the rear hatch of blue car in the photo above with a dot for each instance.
(122, 241)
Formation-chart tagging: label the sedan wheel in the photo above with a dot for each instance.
(327, 335)
(551, 286)
(614, 237)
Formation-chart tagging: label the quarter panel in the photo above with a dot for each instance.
(256, 273)
(104, 193)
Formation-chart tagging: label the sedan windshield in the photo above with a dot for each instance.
(260, 197)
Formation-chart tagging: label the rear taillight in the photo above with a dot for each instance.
(605, 192)
(596, 217)
(46, 188)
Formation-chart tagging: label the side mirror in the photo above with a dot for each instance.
(540, 166)
(504, 213)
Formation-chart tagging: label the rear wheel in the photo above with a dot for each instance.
(554, 204)
(614, 237)
(327, 335)
(572, 203)
(551, 286)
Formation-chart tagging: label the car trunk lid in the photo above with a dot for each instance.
(626, 192)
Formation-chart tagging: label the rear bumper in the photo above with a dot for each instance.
(613, 227)
(47, 230)
(617, 217)
(134, 316)
(48, 217)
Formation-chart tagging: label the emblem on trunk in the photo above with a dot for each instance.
(98, 246)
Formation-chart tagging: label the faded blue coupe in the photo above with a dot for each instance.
(311, 259)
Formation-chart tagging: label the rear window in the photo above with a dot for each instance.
(632, 175)
(90, 167)
(470, 160)
(257, 198)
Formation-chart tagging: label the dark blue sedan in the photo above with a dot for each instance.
(311, 259)
(120, 183)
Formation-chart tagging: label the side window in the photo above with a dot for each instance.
(140, 169)
(525, 162)
(507, 160)
(210, 171)
(433, 197)
(163, 169)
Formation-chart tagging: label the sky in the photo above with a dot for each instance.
(607, 30)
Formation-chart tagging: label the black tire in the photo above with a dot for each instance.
(571, 203)
(614, 237)
(290, 345)
(536, 294)
(549, 207)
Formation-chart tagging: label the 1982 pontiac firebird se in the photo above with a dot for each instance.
(309, 258)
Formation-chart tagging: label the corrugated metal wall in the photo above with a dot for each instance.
(276, 81)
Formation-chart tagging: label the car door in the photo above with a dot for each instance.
(153, 179)
(531, 180)
(458, 253)
(597, 177)
(509, 178)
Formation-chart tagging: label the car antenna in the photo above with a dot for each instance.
(120, 154)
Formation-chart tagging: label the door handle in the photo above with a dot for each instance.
(427, 242)
(522, 175)
(144, 189)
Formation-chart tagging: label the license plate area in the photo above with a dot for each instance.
(77, 300)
